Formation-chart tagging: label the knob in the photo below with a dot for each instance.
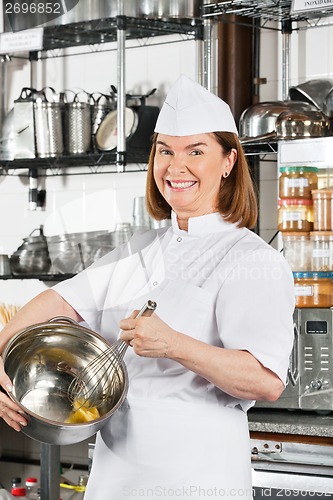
(316, 385)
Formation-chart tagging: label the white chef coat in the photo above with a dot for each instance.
(177, 435)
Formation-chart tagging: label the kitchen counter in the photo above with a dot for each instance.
(296, 423)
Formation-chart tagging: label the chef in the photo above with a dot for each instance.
(222, 332)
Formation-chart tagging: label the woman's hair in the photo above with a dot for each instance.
(237, 199)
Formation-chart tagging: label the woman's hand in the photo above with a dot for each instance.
(9, 411)
(149, 336)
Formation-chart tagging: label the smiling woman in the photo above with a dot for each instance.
(201, 360)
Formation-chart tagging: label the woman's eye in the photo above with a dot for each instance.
(196, 152)
(164, 152)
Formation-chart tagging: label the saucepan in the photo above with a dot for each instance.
(302, 124)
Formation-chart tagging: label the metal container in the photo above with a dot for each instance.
(170, 9)
(77, 125)
(48, 127)
(32, 256)
(301, 124)
(41, 361)
(260, 119)
(313, 91)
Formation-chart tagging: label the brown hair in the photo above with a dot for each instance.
(237, 199)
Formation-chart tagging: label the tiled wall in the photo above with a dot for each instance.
(98, 201)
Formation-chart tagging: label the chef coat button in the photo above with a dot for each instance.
(179, 239)
(155, 283)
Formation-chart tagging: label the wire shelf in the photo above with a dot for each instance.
(268, 10)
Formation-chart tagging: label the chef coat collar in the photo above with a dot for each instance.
(204, 224)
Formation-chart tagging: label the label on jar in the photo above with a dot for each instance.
(297, 183)
(293, 216)
(303, 290)
(320, 253)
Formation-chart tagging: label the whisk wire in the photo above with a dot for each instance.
(102, 378)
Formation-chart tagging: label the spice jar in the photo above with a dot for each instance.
(322, 206)
(297, 182)
(297, 250)
(295, 215)
(313, 289)
(321, 250)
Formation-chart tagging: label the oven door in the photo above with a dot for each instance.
(291, 470)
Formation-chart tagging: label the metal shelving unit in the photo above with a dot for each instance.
(98, 33)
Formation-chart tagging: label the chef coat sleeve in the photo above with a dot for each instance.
(255, 309)
(86, 291)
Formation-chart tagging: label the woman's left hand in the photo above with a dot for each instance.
(149, 336)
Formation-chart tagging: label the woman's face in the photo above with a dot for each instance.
(188, 172)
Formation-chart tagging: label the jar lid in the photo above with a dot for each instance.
(298, 169)
(18, 492)
(314, 234)
(295, 234)
(322, 193)
(313, 274)
(294, 201)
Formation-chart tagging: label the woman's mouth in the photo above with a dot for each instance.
(181, 185)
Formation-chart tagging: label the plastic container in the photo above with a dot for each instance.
(31, 486)
(297, 250)
(295, 215)
(297, 182)
(313, 289)
(322, 209)
(321, 250)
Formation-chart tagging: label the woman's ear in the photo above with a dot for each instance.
(231, 160)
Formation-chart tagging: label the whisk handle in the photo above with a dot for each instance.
(147, 309)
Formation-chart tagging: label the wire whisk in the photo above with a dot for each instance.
(103, 377)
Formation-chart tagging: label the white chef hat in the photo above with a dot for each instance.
(191, 109)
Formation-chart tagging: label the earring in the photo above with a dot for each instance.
(225, 174)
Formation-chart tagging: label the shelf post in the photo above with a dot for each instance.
(286, 32)
(121, 92)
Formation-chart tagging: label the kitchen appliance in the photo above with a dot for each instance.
(77, 123)
(310, 374)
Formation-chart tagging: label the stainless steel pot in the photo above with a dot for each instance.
(171, 9)
(41, 361)
(301, 124)
(32, 257)
(259, 119)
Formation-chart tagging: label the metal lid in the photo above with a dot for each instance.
(313, 275)
(298, 169)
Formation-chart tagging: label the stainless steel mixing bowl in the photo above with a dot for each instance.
(41, 361)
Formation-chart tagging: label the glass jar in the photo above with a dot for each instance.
(297, 182)
(295, 215)
(313, 289)
(322, 206)
(297, 250)
(321, 250)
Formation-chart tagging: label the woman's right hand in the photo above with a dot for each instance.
(9, 411)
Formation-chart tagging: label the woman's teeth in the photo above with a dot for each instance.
(181, 185)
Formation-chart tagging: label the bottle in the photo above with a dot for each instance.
(19, 492)
(31, 486)
(16, 482)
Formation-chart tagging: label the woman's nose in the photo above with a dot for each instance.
(177, 164)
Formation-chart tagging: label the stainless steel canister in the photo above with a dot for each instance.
(48, 126)
(77, 125)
